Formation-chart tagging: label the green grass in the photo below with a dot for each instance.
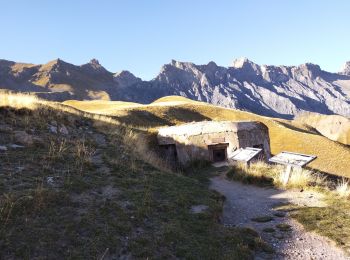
(332, 221)
(262, 219)
(284, 227)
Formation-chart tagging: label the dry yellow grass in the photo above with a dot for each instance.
(262, 173)
(299, 178)
(19, 101)
(174, 99)
(343, 189)
(100, 106)
(285, 135)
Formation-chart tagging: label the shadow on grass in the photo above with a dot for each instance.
(294, 128)
(185, 115)
(140, 118)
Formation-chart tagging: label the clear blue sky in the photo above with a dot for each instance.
(142, 35)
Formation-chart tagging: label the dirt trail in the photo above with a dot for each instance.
(245, 202)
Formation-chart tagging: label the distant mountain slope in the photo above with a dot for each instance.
(278, 91)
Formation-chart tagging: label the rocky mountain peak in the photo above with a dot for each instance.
(241, 62)
(308, 70)
(246, 66)
(54, 63)
(311, 67)
(94, 66)
(125, 74)
(181, 64)
(6, 63)
(125, 78)
(346, 69)
(212, 64)
(95, 62)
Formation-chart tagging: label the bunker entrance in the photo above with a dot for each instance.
(218, 152)
(169, 152)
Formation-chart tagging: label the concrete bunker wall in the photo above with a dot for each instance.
(211, 140)
(257, 138)
(197, 147)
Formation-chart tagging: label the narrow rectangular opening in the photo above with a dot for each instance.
(169, 152)
(218, 152)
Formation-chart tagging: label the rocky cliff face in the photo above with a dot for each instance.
(280, 91)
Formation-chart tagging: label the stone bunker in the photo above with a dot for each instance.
(212, 140)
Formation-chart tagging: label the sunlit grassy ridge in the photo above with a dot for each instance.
(174, 99)
(285, 135)
(100, 106)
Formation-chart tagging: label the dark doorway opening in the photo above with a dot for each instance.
(169, 153)
(219, 155)
(218, 152)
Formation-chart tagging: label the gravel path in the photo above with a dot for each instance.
(245, 202)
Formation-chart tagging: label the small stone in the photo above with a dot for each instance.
(15, 146)
(50, 180)
(63, 130)
(199, 208)
(23, 138)
(53, 129)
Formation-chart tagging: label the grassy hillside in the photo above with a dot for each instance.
(285, 135)
(78, 186)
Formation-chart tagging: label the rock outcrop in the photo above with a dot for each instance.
(334, 127)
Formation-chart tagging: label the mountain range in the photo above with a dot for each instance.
(278, 91)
